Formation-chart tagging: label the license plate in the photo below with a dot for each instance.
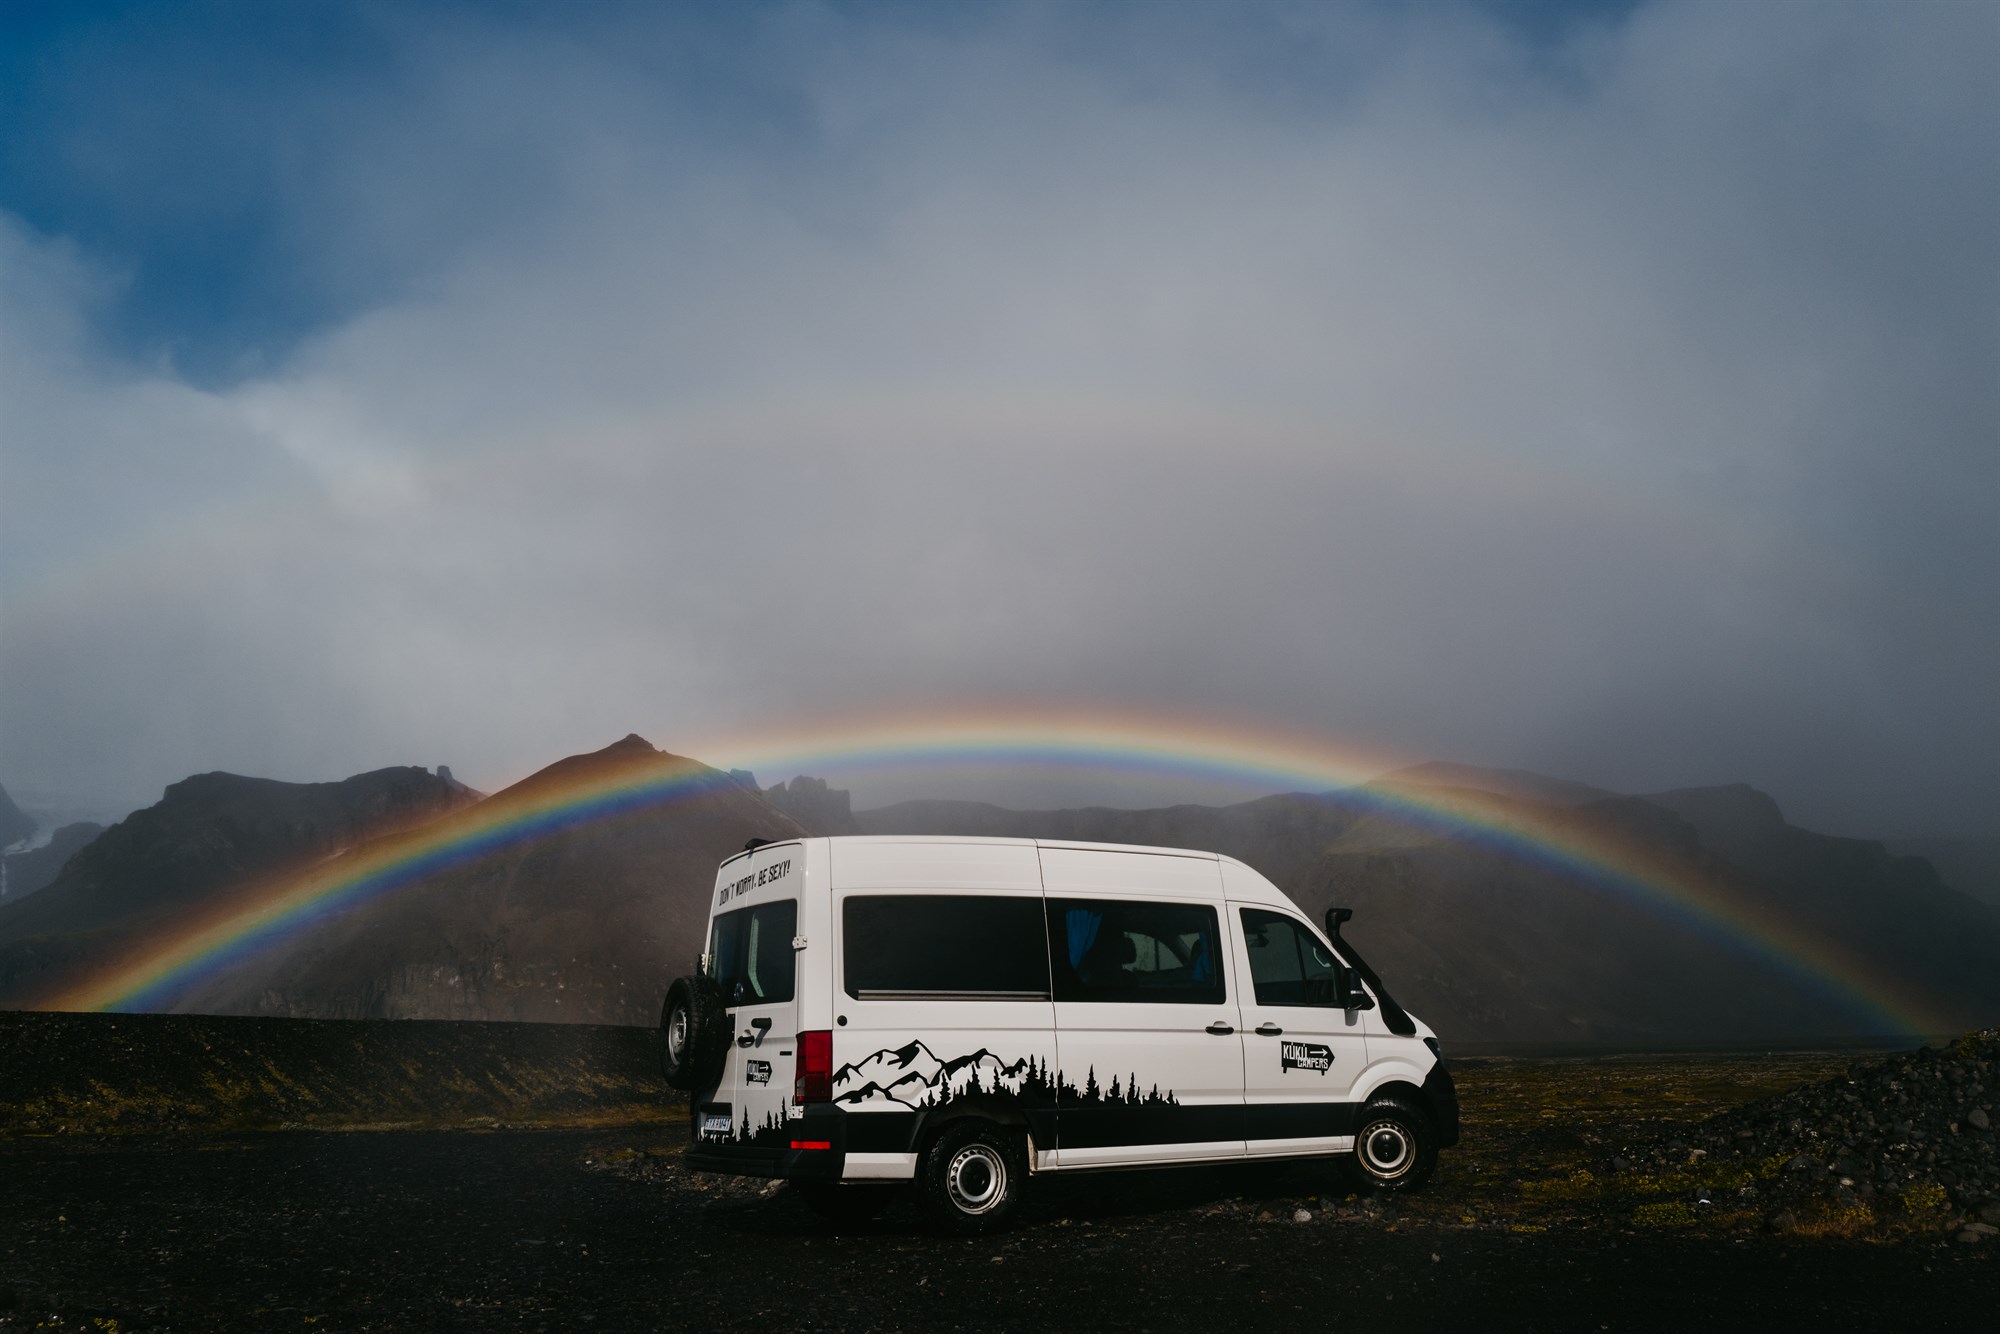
(714, 1124)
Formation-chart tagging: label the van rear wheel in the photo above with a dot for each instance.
(694, 1034)
(971, 1177)
(1395, 1148)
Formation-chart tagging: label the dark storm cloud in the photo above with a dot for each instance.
(1612, 397)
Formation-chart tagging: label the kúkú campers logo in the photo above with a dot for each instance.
(1305, 1056)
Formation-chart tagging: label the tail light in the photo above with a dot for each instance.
(815, 1069)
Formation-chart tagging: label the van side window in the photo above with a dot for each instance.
(944, 947)
(1288, 964)
(1127, 950)
(752, 951)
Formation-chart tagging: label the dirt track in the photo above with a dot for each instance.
(602, 1230)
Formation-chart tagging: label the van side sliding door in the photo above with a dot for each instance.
(1151, 1068)
(942, 996)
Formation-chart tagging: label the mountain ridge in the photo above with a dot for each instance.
(574, 923)
(16, 825)
(1467, 893)
(209, 836)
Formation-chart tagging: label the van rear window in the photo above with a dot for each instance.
(751, 953)
(944, 947)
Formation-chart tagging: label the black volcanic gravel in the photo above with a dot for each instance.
(513, 1232)
(1911, 1138)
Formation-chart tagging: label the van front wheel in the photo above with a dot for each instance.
(1395, 1147)
(971, 1177)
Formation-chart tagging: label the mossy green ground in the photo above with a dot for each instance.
(1540, 1137)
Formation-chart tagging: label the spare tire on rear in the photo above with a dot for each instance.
(694, 1034)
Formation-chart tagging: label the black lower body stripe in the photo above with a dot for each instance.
(1093, 1127)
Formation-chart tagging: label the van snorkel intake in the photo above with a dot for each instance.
(1395, 1016)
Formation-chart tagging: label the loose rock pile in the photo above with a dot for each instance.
(1907, 1140)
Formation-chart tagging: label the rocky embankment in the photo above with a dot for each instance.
(1904, 1142)
(95, 1074)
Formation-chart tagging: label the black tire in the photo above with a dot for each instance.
(694, 1034)
(970, 1178)
(1395, 1146)
(844, 1205)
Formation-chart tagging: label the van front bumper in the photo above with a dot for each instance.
(1442, 1094)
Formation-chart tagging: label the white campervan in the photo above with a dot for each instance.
(963, 1012)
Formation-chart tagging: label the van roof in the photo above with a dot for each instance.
(962, 840)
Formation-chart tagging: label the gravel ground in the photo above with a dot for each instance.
(604, 1230)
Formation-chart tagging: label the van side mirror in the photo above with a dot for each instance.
(1352, 997)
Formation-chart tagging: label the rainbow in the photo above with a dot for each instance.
(1175, 747)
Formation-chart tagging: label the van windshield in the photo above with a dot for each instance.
(751, 953)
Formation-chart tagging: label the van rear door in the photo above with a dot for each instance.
(752, 958)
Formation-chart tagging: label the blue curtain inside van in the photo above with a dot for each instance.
(1082, 925)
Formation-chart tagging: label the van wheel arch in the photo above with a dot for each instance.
(998, 1110)
(1401, 1090)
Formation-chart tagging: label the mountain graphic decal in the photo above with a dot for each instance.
(914, 1077)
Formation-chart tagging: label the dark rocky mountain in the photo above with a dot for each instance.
(22, 873)
(15, 823)
(1500, 782)
(585, 923)
(822, 809)
(208, 836)
(1969, 865)
(1518, 951)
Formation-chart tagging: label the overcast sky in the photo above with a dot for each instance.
(1613, 392)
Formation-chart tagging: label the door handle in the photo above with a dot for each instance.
(1220, 1029)
(1268, 1030)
